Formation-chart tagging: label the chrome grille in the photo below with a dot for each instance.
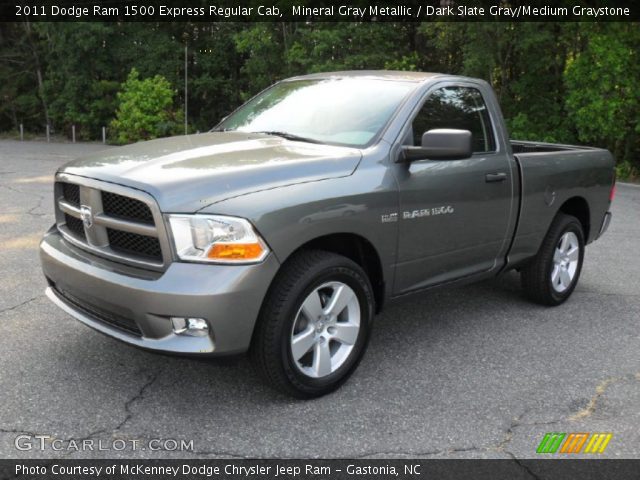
(116, 222)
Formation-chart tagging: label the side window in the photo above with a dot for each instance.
(456, 107)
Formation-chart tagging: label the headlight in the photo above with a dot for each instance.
(216, 239)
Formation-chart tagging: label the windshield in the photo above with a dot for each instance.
(347, 111)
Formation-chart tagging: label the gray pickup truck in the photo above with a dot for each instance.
(287, 227)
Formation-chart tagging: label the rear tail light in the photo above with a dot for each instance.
(612, 193)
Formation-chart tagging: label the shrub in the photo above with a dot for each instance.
(145, 110)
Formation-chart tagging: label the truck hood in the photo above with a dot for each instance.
(188, 173)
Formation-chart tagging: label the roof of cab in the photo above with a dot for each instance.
(374, 74)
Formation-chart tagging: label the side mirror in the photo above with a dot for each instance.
(440, 144)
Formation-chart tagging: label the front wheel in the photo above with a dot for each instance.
(553, 274)
(314, 325)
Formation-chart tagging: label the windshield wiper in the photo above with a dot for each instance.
(289, 136)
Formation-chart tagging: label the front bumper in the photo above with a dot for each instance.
(135, 306)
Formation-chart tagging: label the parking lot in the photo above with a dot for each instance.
(473, 372)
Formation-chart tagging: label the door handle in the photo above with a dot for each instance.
(495, 177)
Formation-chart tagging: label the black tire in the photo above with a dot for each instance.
(298, 278)
(537, 275)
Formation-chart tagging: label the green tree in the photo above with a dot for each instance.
(79, 79)
(22, 73)
(214, 74)
(261, 47)
(351, 46)
(558, 82)
(145, 110)
(88, 61)
(603, 85)
(524, 62)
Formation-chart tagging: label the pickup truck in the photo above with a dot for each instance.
(286, 228)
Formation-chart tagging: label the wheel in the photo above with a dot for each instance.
(314, 325)
(552, 276)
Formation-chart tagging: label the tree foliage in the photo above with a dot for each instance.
(603, 84)
(562, 82)
(145, 110)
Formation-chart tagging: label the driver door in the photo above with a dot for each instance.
(454, 214)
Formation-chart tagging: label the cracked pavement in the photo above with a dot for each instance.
(474, 372)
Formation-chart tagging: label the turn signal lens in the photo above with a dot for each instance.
(236, 251)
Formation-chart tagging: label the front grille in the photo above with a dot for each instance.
(75, 226)
(100, 314)
(133, 243)
(71, 193)
(126, 208)
(115, 226)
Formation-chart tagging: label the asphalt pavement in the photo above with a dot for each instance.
(473, 372)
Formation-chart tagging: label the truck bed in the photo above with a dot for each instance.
(550, 175)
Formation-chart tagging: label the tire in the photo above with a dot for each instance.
(308, 284)
(553, 274)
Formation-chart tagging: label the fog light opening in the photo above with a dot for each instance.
(193, 327)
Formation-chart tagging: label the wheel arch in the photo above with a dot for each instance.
(578, 207)
(358, 249)
(361, 251)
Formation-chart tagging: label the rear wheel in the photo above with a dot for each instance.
(553, 275)
(314, 325)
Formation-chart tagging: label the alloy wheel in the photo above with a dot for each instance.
(565, 262)
(325, 329)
